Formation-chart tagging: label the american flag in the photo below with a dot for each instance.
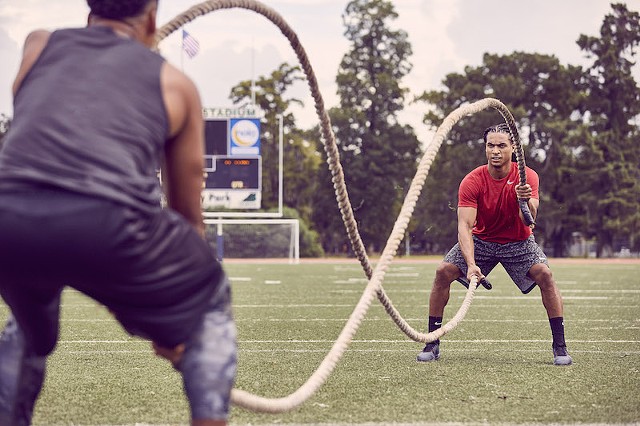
(189, 44)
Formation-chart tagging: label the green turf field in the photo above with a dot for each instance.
(496, 367)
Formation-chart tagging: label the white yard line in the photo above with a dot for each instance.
(385, 318)
(395, 341)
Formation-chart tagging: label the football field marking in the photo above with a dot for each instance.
(278, 341)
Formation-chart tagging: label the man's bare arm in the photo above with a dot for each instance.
(184, 152)
(33, 46)
(466, 221)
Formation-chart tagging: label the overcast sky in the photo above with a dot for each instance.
(236, 44)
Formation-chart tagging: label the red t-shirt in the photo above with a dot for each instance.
(498, 218)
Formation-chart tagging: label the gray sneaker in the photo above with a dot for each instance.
(431, 352)
(561, 356)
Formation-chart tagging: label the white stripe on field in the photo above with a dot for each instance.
(427, 290)
(521, 321)
(533, 296)
(351, 281)
(448, 341)
(402, 274)
(385, 319)
(293, 305)
(590, 306)
(369, 341)
(537, 299)
(109, 351)
(602, 291)
(612, 328)
(304, 305)
(573, 351)
(103, 341)
(82, 305)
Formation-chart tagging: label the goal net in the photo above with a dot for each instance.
(254, 238)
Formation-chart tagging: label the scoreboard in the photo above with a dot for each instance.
(233, 165)
(234, 172)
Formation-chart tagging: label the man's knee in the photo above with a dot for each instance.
(446, 273)
(173, 355)
(542, 275)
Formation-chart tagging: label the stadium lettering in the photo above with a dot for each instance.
(213, 113)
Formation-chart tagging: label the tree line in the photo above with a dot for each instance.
(580, 127)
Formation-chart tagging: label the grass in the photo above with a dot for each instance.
(496, 367)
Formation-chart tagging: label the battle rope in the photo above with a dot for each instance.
(277, 405)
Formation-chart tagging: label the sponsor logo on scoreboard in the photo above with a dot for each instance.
(245, 136)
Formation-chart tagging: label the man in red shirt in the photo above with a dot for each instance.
(492, 230)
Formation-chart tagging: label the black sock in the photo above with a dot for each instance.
(557, 330)
(434, 324)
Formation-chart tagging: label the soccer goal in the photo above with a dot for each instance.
(254, 238)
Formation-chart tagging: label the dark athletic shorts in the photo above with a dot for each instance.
(152, 270)
(516, 258)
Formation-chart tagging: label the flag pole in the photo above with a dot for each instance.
(253, 80)
(182, 53)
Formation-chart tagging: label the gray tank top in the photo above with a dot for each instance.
(89, 118)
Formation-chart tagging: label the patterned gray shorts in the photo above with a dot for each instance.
(516, 258)
(208, 365)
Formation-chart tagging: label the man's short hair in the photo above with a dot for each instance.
(117, 9)
(498, 128)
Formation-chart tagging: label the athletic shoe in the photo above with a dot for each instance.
(561, 356)
(431, 352)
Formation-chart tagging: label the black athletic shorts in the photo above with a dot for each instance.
(151, 270)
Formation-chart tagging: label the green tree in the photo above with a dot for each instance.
(610, 189)
(301, 161)
(269, 93)
(377, 153)
(542, 96)
(301, 164)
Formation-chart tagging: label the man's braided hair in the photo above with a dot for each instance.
(117, 9)
(500, 128)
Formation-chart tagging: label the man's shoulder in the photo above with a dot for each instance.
(173, 78)
(37, 40)
(476, 173)
(532, 175)
(530, 170)
(474, 178)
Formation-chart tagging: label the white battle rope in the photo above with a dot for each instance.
(376, 276)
